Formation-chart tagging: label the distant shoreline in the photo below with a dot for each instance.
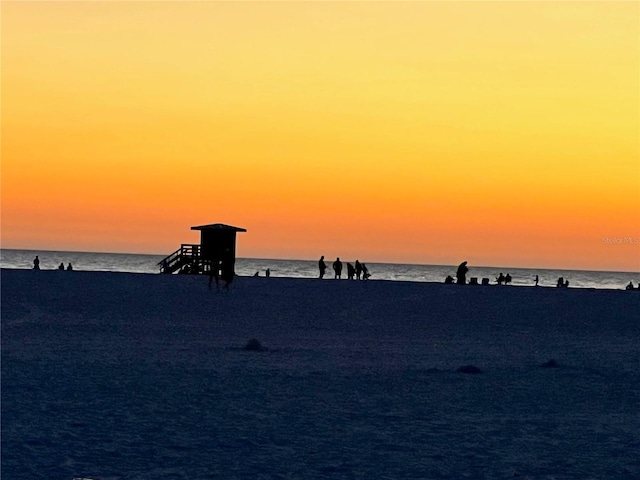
(315, 281)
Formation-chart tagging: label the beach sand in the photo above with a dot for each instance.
(133, 376)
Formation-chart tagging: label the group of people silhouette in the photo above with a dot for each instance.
(359, 271)
(503, 279)
(36, 265)
(463, 269)
(631, 287)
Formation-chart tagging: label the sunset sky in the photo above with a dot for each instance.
(501, 133)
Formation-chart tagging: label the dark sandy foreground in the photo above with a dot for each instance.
(133, 376)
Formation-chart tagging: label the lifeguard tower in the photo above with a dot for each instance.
(217, 250)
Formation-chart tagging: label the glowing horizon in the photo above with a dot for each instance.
(431, 133)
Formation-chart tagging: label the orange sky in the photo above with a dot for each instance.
(420, 132)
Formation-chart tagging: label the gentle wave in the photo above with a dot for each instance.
(140, 263)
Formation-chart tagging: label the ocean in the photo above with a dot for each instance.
(139, 263)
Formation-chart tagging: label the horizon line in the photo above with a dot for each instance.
(453, 265)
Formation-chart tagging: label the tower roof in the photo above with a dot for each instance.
(218, 226)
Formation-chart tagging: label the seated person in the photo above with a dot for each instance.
(365, 272)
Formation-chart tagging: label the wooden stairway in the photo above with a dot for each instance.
(184, 260)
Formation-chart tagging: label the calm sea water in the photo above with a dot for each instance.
(137, 263)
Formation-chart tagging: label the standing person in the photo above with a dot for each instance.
(461, 273)
(337, 267)
(322, 266)
(36, 263)
(227, 272)
(267, 273)
(214, 274)
(350, 271)
(507, 279)
(536, 280)
(358, 269)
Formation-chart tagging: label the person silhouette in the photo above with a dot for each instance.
(267, 273)
(214, 274)
(536, 280)
(630, 286)
(36, 263)
(337, 268)
(322, 266)
(461, 273)
(358, 269)
(500, 279)
(365, 272)
(69, 267)
(227, 273)
(507, 279)
(351, 272)
(61, 266)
